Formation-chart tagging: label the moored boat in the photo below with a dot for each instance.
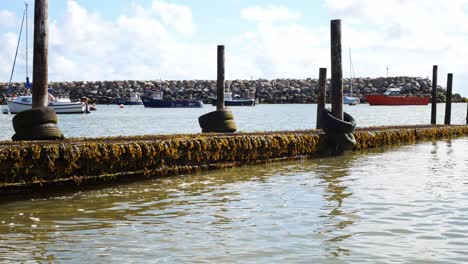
(230, 101)
(393, 96)
(135, 99)
(155, 99)
(349, 100)
(22, 103)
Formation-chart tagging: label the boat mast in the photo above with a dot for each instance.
(350, 75)
(27, 62)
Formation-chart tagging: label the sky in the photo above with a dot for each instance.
(177, 39)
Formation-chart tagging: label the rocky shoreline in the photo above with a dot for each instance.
(277, 91)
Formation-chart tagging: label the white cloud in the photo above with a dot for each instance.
(177, 16)
(158, 41)
(287, 50)
(408, 36)
(7, 18)
(7, 53)
(137, 45)
(269, 14)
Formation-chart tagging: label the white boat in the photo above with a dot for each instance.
(18, 104)
(349, 100)
(22, 103)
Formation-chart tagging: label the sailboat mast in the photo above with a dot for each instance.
(350, 74)
(27, 70)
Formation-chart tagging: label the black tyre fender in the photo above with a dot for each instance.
(332, 124)
(340, 142)
(34, 117)
(218, 121)
(49, 131)
(226, 126)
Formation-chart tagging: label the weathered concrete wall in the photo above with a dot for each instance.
(84, 160)
(268, 91)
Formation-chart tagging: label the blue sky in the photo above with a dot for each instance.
(157, 39)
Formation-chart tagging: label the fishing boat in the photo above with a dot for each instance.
(230, 101)
(135, 99)
(393, 96)
(348, 98)
(155, 99)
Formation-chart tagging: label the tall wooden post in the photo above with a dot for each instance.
(40, 63)
(220, 79)
(321, 96)
(467, 113)
(434, 96)
(448, 99)
(336, 70)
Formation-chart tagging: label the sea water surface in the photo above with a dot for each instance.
(110, 120)
(399, 204)
(403, 204)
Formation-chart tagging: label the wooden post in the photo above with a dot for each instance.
(434, 96)
(448, 99)
(336, 70)
(40, 64)
(467, 113)
(321, 97)
(220, 80)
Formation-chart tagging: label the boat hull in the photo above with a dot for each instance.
(238, 102)
(350, 100)
(159, 103)
(379, 99)
(127, 102)
(59, 108)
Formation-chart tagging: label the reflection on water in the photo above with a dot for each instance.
(395, 204)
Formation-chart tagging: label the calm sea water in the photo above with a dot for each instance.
(405, 204)
(109, 120)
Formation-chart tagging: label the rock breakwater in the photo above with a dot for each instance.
(277, 91)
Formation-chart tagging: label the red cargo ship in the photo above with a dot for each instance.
(393, 97)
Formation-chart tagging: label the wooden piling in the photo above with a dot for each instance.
(448, 99)
(321, 96)
(336, 69)
(40, 60)
(467, 112)
(221, 120)
(434, 96)
(220, 79)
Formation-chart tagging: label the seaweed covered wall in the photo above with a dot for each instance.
(371, 139)
(36, 163)
(77, 160)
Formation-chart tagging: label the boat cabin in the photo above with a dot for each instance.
(393, 92)
(134, 96)
(155, 94)
(228, 96)
(26, 99)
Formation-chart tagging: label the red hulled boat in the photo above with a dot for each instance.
(393, 97)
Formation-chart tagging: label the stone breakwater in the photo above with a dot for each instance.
(278, 91)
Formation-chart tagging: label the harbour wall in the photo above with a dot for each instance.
(71, 162)
(276, 91)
